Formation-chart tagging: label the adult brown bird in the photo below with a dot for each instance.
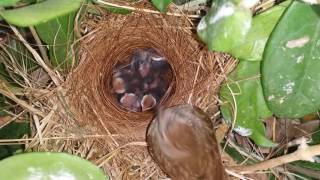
(181, 140)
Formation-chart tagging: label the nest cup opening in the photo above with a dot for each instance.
(141, 81)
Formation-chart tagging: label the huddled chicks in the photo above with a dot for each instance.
(140, 85)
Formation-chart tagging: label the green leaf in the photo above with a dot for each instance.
(117, 10)
(109, 8)
(47, 165)
(315, 138)
(12, 131)
(245, 84)
(308, 165)
(291, 63)
(58, 34)
(31, 1)
(306, 169)
(239, 158)
(8, 2)
(225, 26)
(262, 25)
(161, 5)
(40, 12)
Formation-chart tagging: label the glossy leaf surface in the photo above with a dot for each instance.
(262, 25)
(58, 35)
(161, 5)
(39, 12)
(225, 26)
(48, 166)
(251, 107)
(291, 63)
(8, 2)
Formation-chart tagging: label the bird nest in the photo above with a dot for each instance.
(109, 135)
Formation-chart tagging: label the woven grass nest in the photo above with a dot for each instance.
(105, 133)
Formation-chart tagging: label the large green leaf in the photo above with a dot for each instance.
(225, 26)
(40, 12)
(291, 63)
(262, 25)
(58, 34)
(48, 166)
(245, 84)
(161, 5)
(8, 2)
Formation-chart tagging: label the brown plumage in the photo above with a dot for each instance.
(182, 142)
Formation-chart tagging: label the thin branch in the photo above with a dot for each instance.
(304, 153)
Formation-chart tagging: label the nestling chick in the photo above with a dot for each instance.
(131, 102)
(121, 79)
(154, 92)
(118, 85)
(159, 64)
(148, 102)
(182, 142)
(141, 62)
(126, 80)
(155, 83)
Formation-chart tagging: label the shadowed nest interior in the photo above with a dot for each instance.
(196, 76)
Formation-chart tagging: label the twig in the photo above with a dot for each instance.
(43, 51)
(304, 153)
(145, 10)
